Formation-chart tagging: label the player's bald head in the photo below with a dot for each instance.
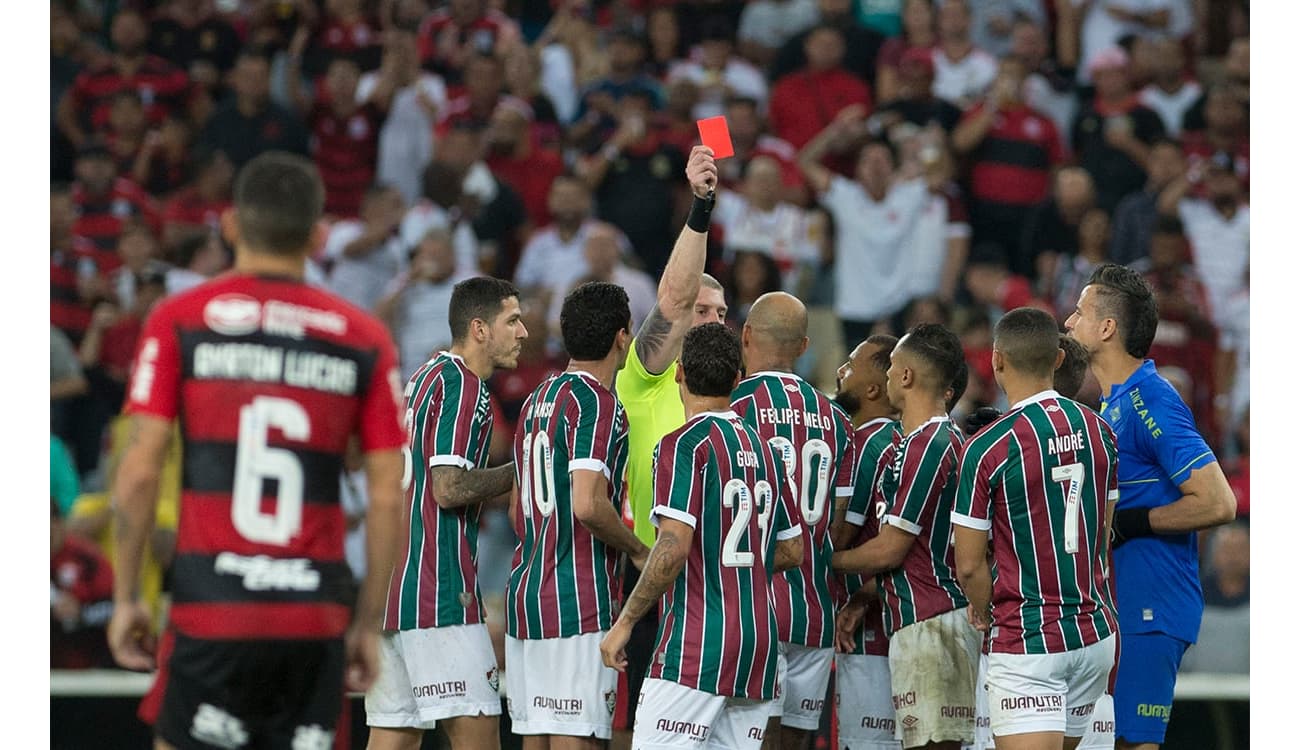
(778, 325)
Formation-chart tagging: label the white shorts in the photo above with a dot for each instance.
(776, 706)
(932, 666)
(671, 716)
(1101, 729)
(803, 688)
(1048, 692)
(983, 735)
(864, 702)
(431, 674)
(560, 686)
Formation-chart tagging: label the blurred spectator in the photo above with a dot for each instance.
(124, 134)
(523, 81)
(603, 252)
(862, 44)
(197, 208)
(367, 253)
(1113, 133)
(962, 71)
(105, 204)
(1135, 216)
(752, 275)
(995, 288)
(66, 378)
(1227, 131)
(806, 101)
(194, 38)
(354, 501)
(493, 209)
(940, 241)
(992, 22)
(517, 158)
(109, 347)
(874, 217)
(439, 208)
(636, 179)
(918, 34)
(450, 36)
(1104, 24)
(555, 254)
(755, 219)
(346, 32)
(1012, 151)
(64, 483)
(166, 159)
(570, 54)
(248, 122)
(1172, 92)
(71, 261)
(416, 302)
(511, 388)
(883, 16)
(137, 249)
(1223, 644)
(1236, 78)
(915, 101)
(1232, 402)
(418, 99)
(597, 114)
(196, 259)
(1072, 273)
(1049, 88)
(161, 86)
(1218, 227)
(81, 600)
(345, 131)
(718, 73)
(749, 141)
(1052, 228)
(677, 121)
(70, 52)
(483, 92)
(1238, 469)
(766, 25)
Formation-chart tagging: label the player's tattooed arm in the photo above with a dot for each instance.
(789, 553)
(456, 487)
(667, 558)
(652, 341)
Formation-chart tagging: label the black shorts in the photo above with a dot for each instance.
(640, 648)
(252, 694)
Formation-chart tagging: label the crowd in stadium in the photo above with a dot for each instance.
(1007, 148)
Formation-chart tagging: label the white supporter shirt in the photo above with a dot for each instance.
(362, 279)
(771, 23)
(551, 262)
(871, 240)
(1100, 30)
(1234, 336)
(961, 81)
(739, 76)
(1171, 107)
(420, 321)
(406, 139)
(928, 249)
(782, 233)
(1220, 250)
(642, 294)
(426, 215)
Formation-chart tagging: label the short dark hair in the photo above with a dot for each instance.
(940, 350)
(592, 315)
(1123, 294)
(1068, 380)
(1028, 338)
(710, 360)
(478, 298)
(886, 342)
(279, 197)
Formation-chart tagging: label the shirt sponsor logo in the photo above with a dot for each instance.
(494, 679)
(1039, 703)
(561, 706)
(957, 712)
(232, 314)
(688, 728)
(1154, 710)
(216, 727)
(906, 699)
(264, 573)
(1103, 727)
(611, 701)
(878, 722)
(449, 689)
(756, 733)
(808, 704)
(291, 320)
(1082, 710)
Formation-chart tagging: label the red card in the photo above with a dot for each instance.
(714, 134)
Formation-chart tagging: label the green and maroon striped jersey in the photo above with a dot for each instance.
(1040, 478)
(918, 491)
(717, 631)
(876, 441)
(435, 579)
(813, 438)
(564, 580)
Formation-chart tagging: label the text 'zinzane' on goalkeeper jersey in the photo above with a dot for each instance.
(564, 581)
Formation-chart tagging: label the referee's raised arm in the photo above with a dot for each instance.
(659, 340)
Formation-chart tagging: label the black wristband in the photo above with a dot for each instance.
(981, 418)
(1130, 523)
(701, 210)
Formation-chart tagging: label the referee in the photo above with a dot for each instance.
(647, 387)
(1170, 487)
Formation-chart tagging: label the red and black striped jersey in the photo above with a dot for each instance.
(345, 150)
(68, 312)
(269, 378)
(101, 218)
(161, 85)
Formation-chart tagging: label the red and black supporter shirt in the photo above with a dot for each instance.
(100, 219)
(162, 86)
(68, 312)
(444, 46)
(1013, 164)
(269, 377)
(346, 150)
(80, 569)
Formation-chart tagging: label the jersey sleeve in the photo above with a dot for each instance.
(381, 405)
(635, 382)
(916, 485)
(679, 488)
(866, 477)
(1172, 438)
(156, 377)
(591, 431)
(845, 471)
(449, 420)
(972, 507)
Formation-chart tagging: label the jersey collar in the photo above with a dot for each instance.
(874, 422)
(728, 414)
(1040, 396)
(1147, 370)
(930, 421)
(774, 374)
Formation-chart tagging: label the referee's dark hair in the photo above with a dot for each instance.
(279, 197)
(710, 360)
(1029, 340)
(1123, 295)
(479, 298)
(592, 315)
(1068, 380)
(940, 350)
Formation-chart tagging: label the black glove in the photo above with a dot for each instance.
(981, 418)
(1130, 523)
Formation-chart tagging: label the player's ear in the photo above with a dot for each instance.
(736, 381)
(803, 346)
(1060, 357)
(998, 361)
(230, 227)
(680, 375)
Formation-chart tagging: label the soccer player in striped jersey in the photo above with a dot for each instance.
(813, 439)
(924, 606)
(268, 378)
(863, 699)
(726, 525)
(438, 660)
(1043, 479)
(570, 455)
(1171, 486)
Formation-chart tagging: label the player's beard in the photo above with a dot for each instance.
(848, 401)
